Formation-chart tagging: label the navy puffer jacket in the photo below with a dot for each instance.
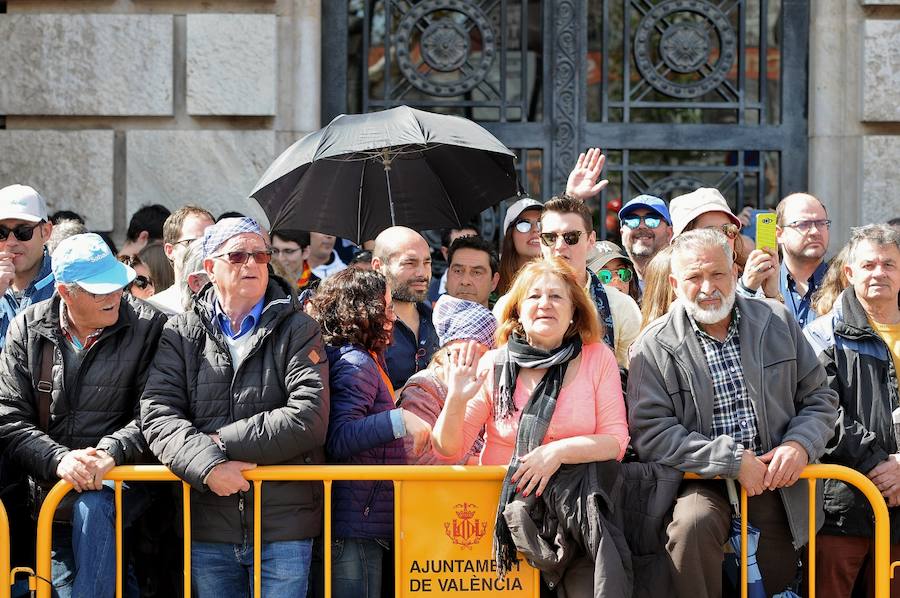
(360, 432)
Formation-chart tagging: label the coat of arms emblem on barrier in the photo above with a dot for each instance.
(465, 530)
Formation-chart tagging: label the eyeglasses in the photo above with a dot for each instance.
(98, 297)
(623, 274)
(23, 232)
(804, 226)
(241, 257)
(730, 230)
(633, 222)
(526, 226)
(184, 242)
(571, 238)
(141, 282)
(286, 252)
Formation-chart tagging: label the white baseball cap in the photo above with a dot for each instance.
(514, 211)
(21, 202)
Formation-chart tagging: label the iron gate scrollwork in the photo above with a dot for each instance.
(678, 93)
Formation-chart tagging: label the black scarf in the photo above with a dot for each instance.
(533, 423)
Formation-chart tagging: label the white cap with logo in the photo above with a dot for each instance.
(21, 202)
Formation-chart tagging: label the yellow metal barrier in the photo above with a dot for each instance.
(811, 473)
(399, 474)
(5, 583)
(325, 473)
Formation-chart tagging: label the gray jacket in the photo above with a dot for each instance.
(670, 397)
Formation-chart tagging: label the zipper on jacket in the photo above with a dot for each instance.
(368, 506)
(243, 521)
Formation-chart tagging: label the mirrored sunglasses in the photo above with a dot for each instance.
(633, 222)
(241, 257)
(623, 274)
(23, 232)
(571, 238)
(526, 226)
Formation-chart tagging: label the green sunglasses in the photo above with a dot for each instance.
(623, 274)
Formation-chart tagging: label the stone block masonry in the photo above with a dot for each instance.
(71, 169)
(86, 65)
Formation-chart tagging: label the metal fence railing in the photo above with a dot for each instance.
(401, 475)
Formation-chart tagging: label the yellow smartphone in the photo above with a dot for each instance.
(765, 231)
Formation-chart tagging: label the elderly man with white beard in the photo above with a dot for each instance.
(725, 386)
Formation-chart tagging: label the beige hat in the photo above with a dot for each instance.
(686, 208)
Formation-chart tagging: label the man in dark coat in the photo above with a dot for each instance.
(240, 381)
(858, 342)
(71, 373)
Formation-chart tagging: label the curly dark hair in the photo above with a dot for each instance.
(350, 309)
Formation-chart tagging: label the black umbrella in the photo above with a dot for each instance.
(365, 172)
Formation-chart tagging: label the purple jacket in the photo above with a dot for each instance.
(360, 432)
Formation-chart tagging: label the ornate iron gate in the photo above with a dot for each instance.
(678, 93)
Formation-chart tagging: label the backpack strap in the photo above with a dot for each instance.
(45, 385)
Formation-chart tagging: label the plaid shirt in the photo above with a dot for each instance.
(733, 414)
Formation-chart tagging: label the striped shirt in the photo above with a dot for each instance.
(733, 413)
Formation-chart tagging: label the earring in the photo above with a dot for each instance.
(571, 321)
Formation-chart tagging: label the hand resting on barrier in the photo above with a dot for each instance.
(225, 478)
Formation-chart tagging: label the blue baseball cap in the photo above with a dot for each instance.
(649, 202)
(86, 260)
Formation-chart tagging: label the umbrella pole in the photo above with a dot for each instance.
(387, 178)
(386, 160)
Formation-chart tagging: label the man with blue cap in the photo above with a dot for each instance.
(646, 228)
(91, 348)
(238, 381)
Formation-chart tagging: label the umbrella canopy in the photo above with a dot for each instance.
(362, 173)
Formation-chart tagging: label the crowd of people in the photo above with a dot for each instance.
(594, 372)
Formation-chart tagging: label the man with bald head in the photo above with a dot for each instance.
(403, 257)
(802, 232)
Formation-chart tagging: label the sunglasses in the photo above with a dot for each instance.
(23, 232)
(623, 274)
(241, 257)
(571, 238)
(633, 222)
(142, 282)
(730, 230)
(526, 226)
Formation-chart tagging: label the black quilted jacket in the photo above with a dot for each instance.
(273, 410)
(101, 411)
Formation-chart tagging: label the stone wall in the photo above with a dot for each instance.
(854, 121)
(107, 105)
